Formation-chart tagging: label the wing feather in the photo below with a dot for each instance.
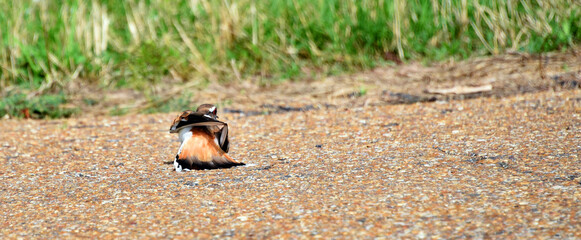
(195, 119)
(224, 143)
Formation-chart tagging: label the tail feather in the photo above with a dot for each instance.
(192, 162)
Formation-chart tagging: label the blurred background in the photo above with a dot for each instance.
(59, 57)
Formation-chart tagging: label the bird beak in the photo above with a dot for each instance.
(173, 129)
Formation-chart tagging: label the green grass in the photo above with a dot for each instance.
(47, 45)
(44, 106)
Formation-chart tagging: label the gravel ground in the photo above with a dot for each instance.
(482, 168)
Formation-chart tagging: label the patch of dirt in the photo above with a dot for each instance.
(498, 76)
(495, 76)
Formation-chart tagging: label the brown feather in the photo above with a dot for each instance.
(201, 152)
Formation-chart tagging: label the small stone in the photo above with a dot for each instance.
(191, 183)
(503, 164)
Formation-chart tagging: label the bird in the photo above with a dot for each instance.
(204, 140)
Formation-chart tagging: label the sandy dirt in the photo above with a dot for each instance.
(499, 76)
(487, 167)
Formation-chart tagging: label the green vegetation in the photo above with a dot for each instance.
(47, 45)
(43, 106)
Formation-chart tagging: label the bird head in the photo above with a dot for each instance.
(208, 109)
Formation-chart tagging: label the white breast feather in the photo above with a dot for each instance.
(185, 134)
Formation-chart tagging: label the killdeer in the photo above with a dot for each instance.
(204, 140)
